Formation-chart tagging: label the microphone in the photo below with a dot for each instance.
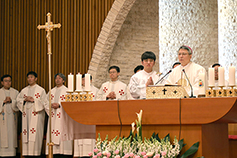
(163, 77)
(189, 85)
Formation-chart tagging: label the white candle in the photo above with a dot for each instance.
(202, 84)
(211, 75)
(87, 82)
(70, 82)
(78, 82)
(221, 76)
(231, 76)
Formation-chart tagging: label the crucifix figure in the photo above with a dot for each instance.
(49, 26)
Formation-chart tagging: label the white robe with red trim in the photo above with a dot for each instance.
(118, 87)
(33, 116)
(60, 146)
(8, 123)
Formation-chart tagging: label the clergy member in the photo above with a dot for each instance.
(113, 89)
(8, 118)
(58, 93)
(31, 102)
(177, 76)
(84, 146)
(145, 77)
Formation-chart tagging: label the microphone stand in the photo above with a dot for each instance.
(189, 85)
(163, 77)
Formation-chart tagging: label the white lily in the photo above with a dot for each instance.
(133, 127)
(139, 116)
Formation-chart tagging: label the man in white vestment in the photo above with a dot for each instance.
(215, 66)
(145, 77)
(84, 146)
(113, 89)
(31, 102)
(58, 93)
(192, 70)
(8, 118)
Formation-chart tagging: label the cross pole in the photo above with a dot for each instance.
(49, 26)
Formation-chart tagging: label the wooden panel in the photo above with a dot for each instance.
(23, 46)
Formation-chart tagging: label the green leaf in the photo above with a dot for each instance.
(193, 149)
(181, 144)
(157, 137)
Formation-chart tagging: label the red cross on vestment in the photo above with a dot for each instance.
(37, 95)
(57, 133)
(62, 97)
(24, 96)
(32, 130)
(52, 96)
(105, 89)
(34, 113)
(59, 115)
(24, 131)
(24, 114)
(52, 114)
(93, 95)
(121, 92)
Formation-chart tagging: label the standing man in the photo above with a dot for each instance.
(60, 148)
(113, 89)
(8, 118)
(177, 76)
(31, 102)
(145, 77)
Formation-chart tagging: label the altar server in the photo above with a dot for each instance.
(58, 93)
(113, 89)
(8, 118)
(31, 102)
(145, 77)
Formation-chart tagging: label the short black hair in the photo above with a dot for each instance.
(216, 64)
(114, 67)
(139, 67)
(5, 76)
(83, 76)
(32, 73)
(148, 55)
(176, 63)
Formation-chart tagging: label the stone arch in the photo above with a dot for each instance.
(107, 38)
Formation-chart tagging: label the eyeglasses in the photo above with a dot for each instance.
(179, 54)
(112, 72)
(7, 80)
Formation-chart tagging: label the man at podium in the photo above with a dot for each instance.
(187, 71)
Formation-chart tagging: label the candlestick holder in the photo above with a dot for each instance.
(231, 92)
(69, 96)
(78, 96)
(221, 92)
(87, 96)
(210, 92)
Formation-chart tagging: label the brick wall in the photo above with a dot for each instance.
(134, 26)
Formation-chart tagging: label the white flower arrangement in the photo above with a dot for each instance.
(135, 147)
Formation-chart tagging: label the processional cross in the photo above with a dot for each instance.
(49, 26)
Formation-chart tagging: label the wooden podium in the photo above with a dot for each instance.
(194, 119)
